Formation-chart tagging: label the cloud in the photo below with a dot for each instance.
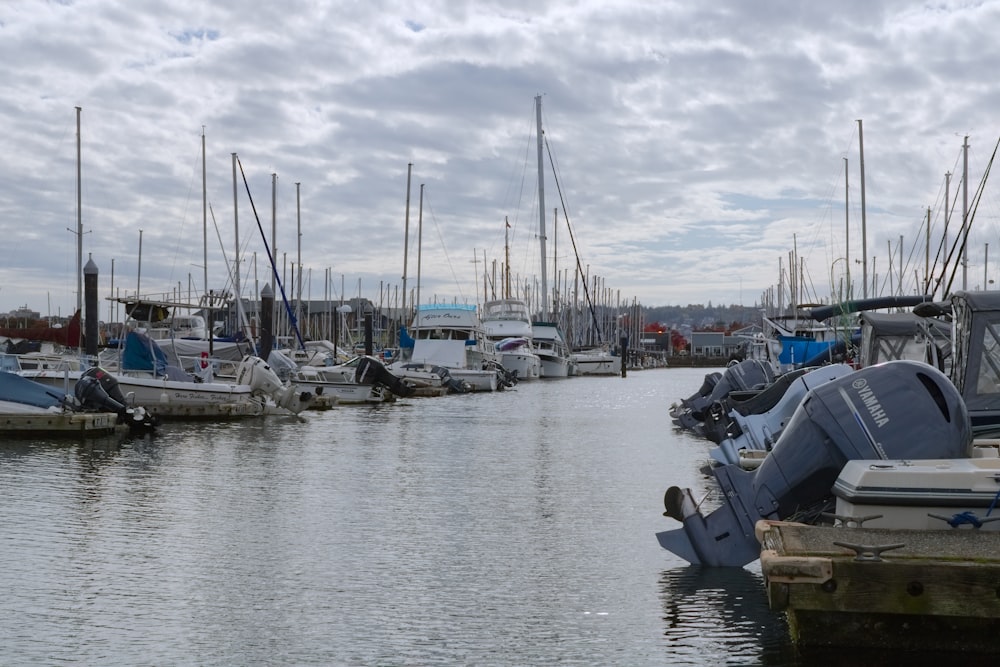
(695, 145)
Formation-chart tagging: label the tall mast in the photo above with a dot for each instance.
(541, 205)
(506, 250)
(406, 236)
(79, 231)
(964, 234)
(556, 296)
(204, 216)
(298, 218)
(864, 228)
(927, 251)
(847, 229)
(236, 226)
(420, 240)
(276, 313)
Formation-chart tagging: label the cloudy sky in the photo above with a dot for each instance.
(696, 145)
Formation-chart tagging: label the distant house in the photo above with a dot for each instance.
(715, 344)
(708, 343)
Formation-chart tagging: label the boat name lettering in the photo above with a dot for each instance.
(870, 401)
(443, 316)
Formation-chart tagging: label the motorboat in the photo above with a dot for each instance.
(451, 336)
(551, 349)
(597, 361)
(167, 391)
(336, 384)
(507, 323)
(897, 410)
(96, 392)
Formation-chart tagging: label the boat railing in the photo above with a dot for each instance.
(221, 368)
(40, 362)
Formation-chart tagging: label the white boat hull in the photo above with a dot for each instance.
(171, 398)
(526, 367)
(589, 364)
(554, 367)
(476, 380)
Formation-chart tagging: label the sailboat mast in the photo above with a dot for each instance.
(964, 234)
(847, 229)
(204, 219)
(556, 295)
(276, 314)
(236, 226)
(506, 248)
(541, 206)
(420, 241)
(864, 229)
(79, 229)
(298, 234)
(406, 237)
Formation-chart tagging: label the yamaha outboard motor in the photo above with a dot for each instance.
(761, 431)
(740, 376)
(719, 425)
(896, 410)
(371, 371)
(685, 404)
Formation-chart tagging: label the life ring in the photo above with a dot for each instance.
(203, 362)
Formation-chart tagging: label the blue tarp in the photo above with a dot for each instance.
(142, 354)
(19, 389)
(795, 350)
(405, 340)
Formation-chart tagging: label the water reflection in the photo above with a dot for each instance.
(721, 616)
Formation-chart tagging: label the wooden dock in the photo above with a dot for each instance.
(56, 424)
(905, 590)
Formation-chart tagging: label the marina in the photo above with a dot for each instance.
(282, 413)
(429, 530)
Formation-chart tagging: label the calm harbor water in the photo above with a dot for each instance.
(507, 529)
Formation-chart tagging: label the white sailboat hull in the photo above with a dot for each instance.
(171, 398)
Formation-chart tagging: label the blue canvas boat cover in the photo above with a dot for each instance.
(17, 389)
(142, 354)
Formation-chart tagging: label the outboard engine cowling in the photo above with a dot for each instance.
(761, 431)
(263, 381)
(739, 376)
(896, 410)
(108, 382)
(98, 389)
(371, 371)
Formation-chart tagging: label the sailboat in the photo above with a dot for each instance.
(550, 345)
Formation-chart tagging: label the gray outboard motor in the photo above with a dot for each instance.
(371, 371)
(896, 410)
(740, 376)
